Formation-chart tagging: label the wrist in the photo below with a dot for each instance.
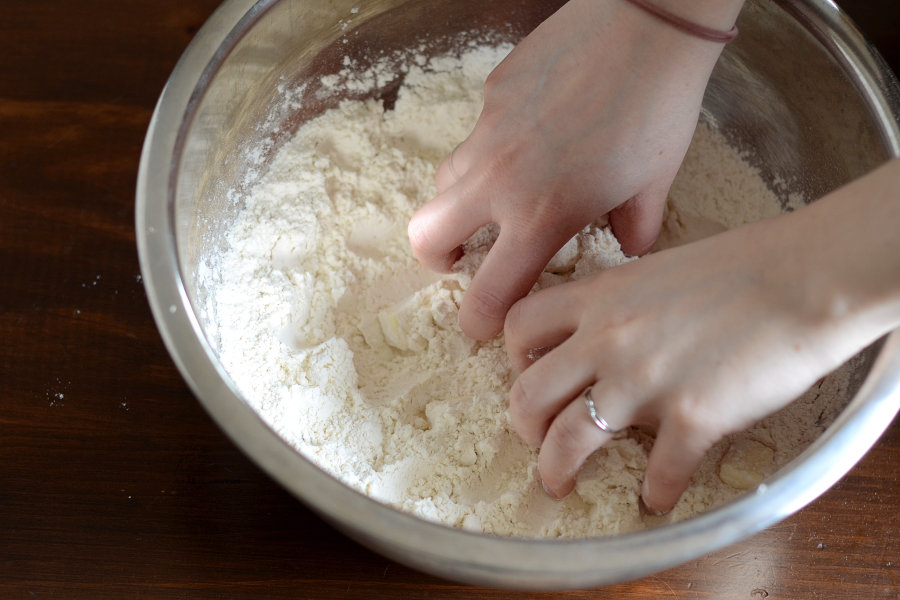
(637, 34)
(843, 259)
(714, 14)
(662, 40)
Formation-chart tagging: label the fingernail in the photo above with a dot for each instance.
(553, 496)
(646, 510)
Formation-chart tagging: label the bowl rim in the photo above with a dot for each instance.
(517, 563)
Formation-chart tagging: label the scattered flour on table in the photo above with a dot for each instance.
(352, 352)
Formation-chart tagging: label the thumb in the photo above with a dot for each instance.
(636, 222)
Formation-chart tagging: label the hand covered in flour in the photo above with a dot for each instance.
(593, 112)
(702, 340)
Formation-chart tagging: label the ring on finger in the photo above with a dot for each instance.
(452, 168)
(598, 420)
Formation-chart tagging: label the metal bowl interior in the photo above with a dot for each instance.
(799, 90)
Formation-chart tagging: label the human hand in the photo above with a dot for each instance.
(593, 112)
(703, 340)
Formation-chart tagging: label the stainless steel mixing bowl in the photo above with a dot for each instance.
(799, 89)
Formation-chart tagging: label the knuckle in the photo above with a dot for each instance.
(487, 304)
(693, 420)
(645, 373)
(499, 179)
(566, 435)
(418, 236)
(525, 414)
(493, 80)
(533, 226)
(513, 324)
(681, 413)
(619, 337)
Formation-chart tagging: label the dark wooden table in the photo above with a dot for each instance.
(114, 483)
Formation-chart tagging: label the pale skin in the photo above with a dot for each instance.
(706, 339)
(564, 138)
(698, 341)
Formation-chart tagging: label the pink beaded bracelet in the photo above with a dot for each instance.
(704, 33)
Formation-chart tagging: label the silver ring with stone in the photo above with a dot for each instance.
(452, 169)
(598, 420)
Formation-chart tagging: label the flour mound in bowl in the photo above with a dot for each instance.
(352, 352)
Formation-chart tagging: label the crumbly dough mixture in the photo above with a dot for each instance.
(352, 352)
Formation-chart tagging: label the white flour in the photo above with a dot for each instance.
(352, 351)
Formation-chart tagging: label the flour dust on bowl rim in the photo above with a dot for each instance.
(799, 90)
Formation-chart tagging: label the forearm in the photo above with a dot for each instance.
(847, 254)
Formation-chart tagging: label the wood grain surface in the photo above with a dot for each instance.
(114, 483)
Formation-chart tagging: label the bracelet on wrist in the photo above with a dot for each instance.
(688, 27)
